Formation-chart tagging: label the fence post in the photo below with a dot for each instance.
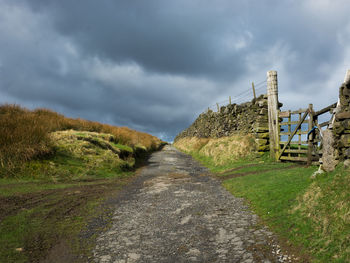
(253, 90)
(217, 105)
(310, 138)
(272, 100)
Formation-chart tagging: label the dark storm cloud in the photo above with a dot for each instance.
(180, 37)
(190, 37)
(153, 65)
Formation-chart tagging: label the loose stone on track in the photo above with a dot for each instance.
(180, 214)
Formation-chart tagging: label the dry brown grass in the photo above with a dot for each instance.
(24, 134)
(220, 150)
(190, 144)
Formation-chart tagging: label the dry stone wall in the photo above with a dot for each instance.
(246, 118)
(341, 126)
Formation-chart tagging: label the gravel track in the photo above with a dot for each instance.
(176, 212)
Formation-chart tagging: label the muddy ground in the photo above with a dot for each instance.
(52, 208)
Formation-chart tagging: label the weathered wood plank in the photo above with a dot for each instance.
(290, 133)
(299, 135)
(297, 159)
(295, 151)
(291, 123)
(295, 142)
(289, 128)
(284, 114)
(324, 124)
(291, 137)
(294, 159)
(298, 111)
(310, 137)
(324, 110)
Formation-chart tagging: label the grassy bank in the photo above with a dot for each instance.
(220, 153)
(25, 135)
(312, 213)
(55, 173)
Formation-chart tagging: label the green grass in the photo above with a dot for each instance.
(54, 172)
(251, 167)
(296, 146)
(36, 230)
(272, 193)
(241, 164)
(12, 234)
(123, 147)
(208, 162)
(52, 199)
(288, 202)
(311, 213)
(13, 186)
(64, 167)
(60, 212)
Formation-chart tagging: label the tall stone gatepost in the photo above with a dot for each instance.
(273, 109)
(341, 123)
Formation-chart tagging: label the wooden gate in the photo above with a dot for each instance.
(306, 132)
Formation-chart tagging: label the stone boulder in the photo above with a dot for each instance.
(329, 161)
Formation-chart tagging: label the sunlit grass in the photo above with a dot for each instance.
(25, 135)
(312, 213)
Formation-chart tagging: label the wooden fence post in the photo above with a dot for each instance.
(217, 105)
(272, 99)
(229, 99)
(253, 90)
(310, 138)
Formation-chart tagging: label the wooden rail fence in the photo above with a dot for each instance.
(308, 150)
(294, 135)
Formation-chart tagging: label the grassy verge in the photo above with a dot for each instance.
(47, 203)
(51, 201)
(311, 213)
(54, 173)
(220, 154)
(37, 217)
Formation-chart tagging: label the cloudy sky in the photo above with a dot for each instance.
(154, 65)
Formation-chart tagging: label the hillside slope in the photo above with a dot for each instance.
(55, 175)
(31, 135)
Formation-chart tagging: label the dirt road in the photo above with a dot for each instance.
(175, 212)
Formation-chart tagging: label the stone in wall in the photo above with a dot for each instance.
(247, 118)
(328, 161)
(341, 126)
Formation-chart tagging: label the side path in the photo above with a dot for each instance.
(180, 214)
